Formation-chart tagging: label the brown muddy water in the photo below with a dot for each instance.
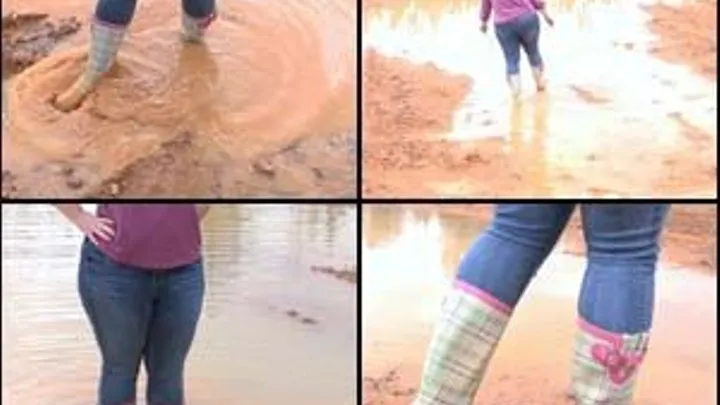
(409, 257)
(272, 330)
(265, 107)
(620, 117)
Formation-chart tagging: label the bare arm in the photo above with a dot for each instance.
(71, 211)
(202, 210)
(485, 11)
(89, 224)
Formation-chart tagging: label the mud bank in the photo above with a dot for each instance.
(435, 124)
(406, 274)
(689, 238)
(687, 35)
(231, 118)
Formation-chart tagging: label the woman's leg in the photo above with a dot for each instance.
(510, 44)
(529, 33)
(616, 300)
(196, 17)
(490, 281)
(117, 301)
(108, 28)
(179, 298)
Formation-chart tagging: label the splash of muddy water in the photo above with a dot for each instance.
(270, 75)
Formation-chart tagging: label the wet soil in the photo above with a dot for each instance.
(409, 108)
(311, 154)
(27, 38)
(688, 35)
(344, 274)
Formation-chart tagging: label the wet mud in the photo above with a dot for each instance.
(423, 134)
(346, 274)
(409, 256)
(263, 121)
(27, 38)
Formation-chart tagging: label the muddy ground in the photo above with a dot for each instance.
(405, 103)
(184, 164)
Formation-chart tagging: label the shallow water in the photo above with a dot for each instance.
(269, 76)
(609, 105)
(247, 349)
(409, 258)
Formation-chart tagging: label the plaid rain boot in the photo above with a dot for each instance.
(465, 337)
(605, 365)
(105, 42)
(194, 28)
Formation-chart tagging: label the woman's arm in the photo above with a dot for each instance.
(485, 10)
(540, 7)
(202, 210)
(89, 224)
(71, 211)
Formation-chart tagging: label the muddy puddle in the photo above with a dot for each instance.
(630, 108)
(268, 319)
(237, 116)
(409, 257)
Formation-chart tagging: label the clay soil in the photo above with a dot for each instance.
(311, 166)
(403, 101)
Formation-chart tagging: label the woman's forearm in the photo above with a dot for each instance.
(70, 211)
(202, 209)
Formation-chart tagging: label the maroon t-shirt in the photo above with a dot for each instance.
(153, 236)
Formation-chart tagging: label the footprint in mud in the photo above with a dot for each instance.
(306, 320)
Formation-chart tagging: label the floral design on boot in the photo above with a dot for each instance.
(470, 326)
(605, 365)
(105, 42)
(194, 28)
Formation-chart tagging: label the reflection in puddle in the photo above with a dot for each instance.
(603, 86)
(409, 257)
(267, 320)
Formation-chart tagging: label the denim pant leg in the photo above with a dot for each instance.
(623, 244)
(502, 260)
(510, 44)
(528, 31)
(172, 329)
(117, 12)
(198, 8)
(117, 301)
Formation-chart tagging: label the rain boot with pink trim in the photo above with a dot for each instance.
(470, 326)
(605, 365)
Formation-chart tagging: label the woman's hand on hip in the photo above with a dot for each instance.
(95, 227)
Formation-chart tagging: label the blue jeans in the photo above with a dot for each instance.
(622, 242)
(120, 12)
(136, 315)
(522, 31)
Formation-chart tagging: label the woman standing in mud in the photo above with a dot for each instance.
(517, 25)
(141, 284)
(111, 21)
(615, 306)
